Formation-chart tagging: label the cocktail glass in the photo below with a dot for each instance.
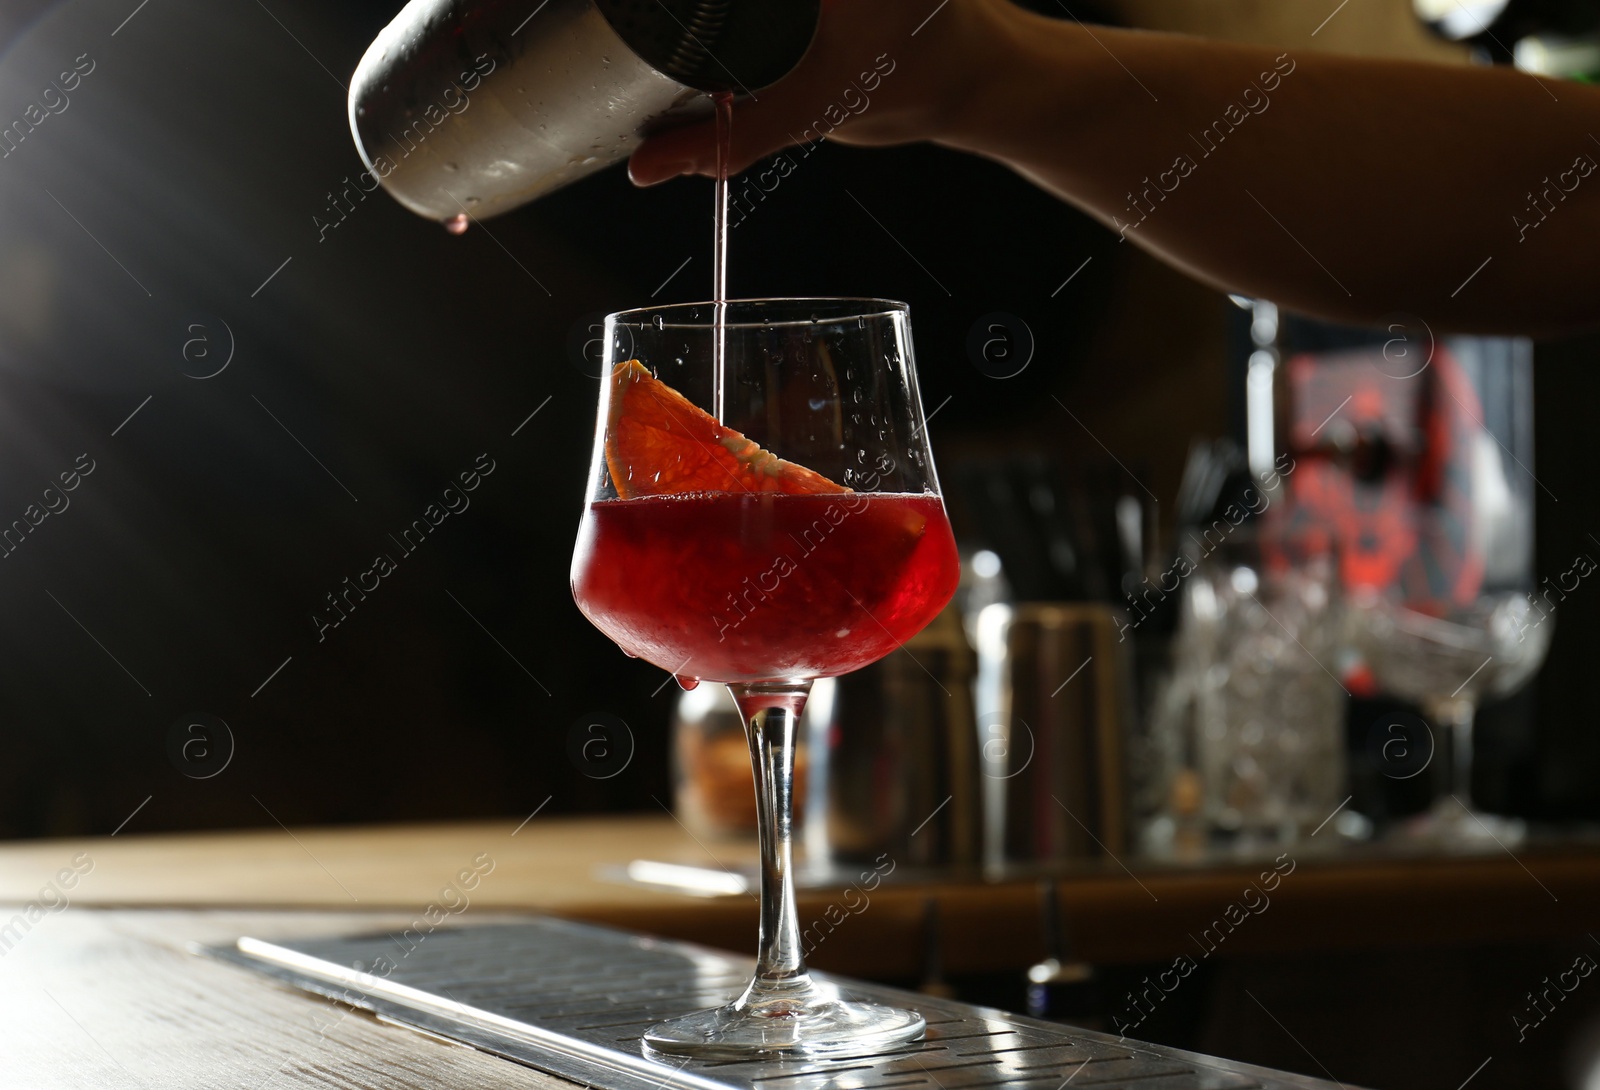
(802, 537)
(1449, 664)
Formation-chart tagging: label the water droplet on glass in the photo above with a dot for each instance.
(818, 404)
(456, 224)
(659, 322)
(452, 167)
(686, 683)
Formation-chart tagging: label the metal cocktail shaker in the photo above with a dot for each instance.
(1055, 688)
(471, 109)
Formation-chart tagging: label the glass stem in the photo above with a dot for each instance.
(771, 712)
(1457, 713)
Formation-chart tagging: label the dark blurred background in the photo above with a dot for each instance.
(386, 356)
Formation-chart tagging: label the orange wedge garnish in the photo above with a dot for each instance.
(659, 443)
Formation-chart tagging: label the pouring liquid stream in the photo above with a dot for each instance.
(723, 102)
(719, 255)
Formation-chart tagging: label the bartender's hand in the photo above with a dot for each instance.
(1347, 187)
(879, 72)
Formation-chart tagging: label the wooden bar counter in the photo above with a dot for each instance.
(1313, 900)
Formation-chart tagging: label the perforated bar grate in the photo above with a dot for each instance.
(574, 1000)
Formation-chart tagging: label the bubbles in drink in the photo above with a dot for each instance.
(457, 224)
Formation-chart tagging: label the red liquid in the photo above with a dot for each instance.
(732, 587)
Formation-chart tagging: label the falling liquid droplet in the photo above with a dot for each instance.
(630, 654)
(456, 224)
(686, 683)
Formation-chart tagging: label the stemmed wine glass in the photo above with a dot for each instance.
(763, 528)
(1449, 664)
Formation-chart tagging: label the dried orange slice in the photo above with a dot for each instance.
(659, 443)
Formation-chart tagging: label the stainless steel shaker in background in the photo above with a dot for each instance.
(1054, 697)
(475, 108)
(894, 758)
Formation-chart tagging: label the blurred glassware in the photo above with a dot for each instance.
(1413, 457)
(713, 786)
(983, 584)
(894, 757)
(1449, 664)
(1253, 717)
(886, 760)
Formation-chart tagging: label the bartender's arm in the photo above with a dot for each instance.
(1343, 187)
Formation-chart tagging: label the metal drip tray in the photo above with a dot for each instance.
(574, 1000)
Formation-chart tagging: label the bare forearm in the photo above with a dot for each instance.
(1345, 187)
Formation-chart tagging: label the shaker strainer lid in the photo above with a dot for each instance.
(716, 45)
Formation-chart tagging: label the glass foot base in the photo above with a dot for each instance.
(807, 1021)
(1451, 822)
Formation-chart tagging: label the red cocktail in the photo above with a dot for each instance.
(763, 512)
(723, 586)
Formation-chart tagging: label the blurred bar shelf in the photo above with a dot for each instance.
(1335, 898)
